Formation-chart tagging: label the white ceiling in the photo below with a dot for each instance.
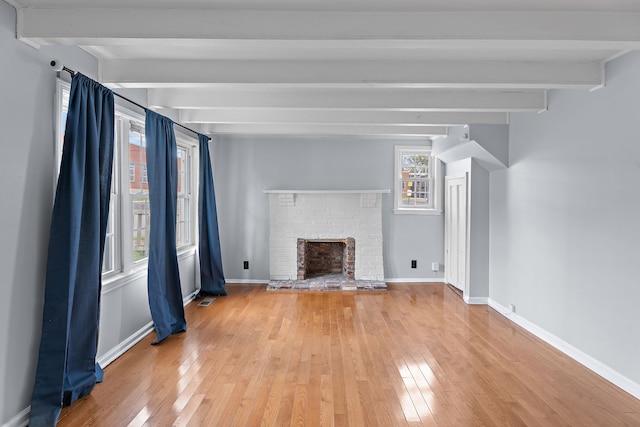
(354, 5)
(341, 67)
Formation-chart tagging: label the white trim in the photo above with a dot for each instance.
(58, 128)
(390, 280)
(475, 300)
(125, 345)
(191, 185)
(20, 420)
(186, 251)
(579, 356)
(410, 211)
(501, 309)
(134, 339)
(185, 137)
(415, 280)
(140, 271)
(190, 297)
(435, 180)
(447, 230)
(246, 282)
(122, 279)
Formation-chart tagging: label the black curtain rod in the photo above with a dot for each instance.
(70, 71)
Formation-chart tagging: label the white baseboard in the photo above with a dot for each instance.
(414, 280)
(475, 300)
(20, 420)
(125, 345)
(186, 300)
(246, 282)
(390, 280)
(579, 356)
(134, 339)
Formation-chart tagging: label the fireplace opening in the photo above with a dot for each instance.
(326, 257)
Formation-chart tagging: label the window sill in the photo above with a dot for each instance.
(118, 280)
(417, 211)
(114, 281)
(186, 251)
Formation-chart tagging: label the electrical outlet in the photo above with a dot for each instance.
(512, 308)
(246, 265)
(435, 266)
(414, 263)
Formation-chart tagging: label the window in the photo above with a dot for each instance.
(128, 228)
(184, 211)
(63, 90)
(139, 192)
(110, 262)
(416, 180)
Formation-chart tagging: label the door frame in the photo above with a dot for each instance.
(447, 231)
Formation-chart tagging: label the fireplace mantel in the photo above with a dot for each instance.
(367, 197)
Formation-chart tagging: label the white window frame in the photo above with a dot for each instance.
(434, 179)
(121, 201)
(62, 87)
(189, 144)
(63, 90)
(125, 119)
(114, 219)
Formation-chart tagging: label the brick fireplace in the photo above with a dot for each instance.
(323, 257)
(343, 217)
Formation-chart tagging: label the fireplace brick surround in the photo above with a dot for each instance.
(325, 215)
(326, 256)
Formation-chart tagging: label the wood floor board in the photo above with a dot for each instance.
(217, 404)
(285, 406)
(230, 412)
(415, 355)
(327, 410)
(352, 396)
(388, 412)
(632, 418)
(272, 407)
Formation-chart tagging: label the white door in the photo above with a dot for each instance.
(455, 231)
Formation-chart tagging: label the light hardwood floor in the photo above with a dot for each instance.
(415, 355)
